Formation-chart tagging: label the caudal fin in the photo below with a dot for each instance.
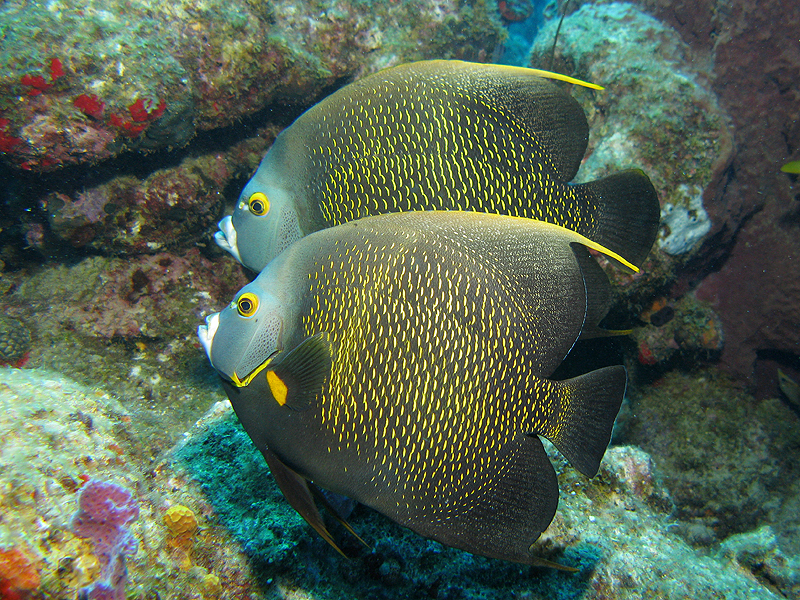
(628, 213)
(589, 405)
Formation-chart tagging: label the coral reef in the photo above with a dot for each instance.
(127, 325)
(19, 577)
(655, 99)
(699, 502)
(750, 52)
(156, 296)
(721, 455)
(15, 342)
(171, 208)
(83, 81)
(617, 528)
(181, 523)
(683, 329)
(73, 434)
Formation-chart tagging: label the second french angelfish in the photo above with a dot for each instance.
(438, 135)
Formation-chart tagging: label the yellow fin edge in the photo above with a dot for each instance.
(556, 76)
(567, 78)
(238, 382)
(585, 241)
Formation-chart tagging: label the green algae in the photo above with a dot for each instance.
(721, 452)
(237, 483)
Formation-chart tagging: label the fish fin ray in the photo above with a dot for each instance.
(295, 489)
(328, 507)
(628, 213)
(304, 370)
(589, 405)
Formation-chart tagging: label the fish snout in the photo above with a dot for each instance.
(226, 237)
(206, 333)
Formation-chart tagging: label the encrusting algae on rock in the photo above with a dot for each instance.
(15, 342)
(19, 576)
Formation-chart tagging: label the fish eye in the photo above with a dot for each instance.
(247, 304)
(259, 204)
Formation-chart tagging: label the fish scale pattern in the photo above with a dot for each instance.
(432, 376)
(421, 144)
(437, 135)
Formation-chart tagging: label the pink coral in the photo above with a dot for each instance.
(106, 509)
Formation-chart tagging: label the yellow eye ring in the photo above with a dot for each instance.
(247, 304)
(258, 204)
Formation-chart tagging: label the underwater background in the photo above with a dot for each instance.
(128, 129)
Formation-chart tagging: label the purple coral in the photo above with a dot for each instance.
(105, 511)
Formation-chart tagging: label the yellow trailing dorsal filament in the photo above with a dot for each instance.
(277, 387)
(555, 76)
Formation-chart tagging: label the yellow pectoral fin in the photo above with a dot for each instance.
(277, 387)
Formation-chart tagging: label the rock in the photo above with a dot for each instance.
(683, 329)
(754, 238)
(159, 296)
(82, 82)
(613, 528)
(657, 113)
(170, 209)
(720, 453)
(758, 552)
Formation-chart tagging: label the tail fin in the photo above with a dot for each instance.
(628, 213)
(590, 404)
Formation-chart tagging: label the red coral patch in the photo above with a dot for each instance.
(91, 106)
(7, 141)
(56, 69)
(36, 83)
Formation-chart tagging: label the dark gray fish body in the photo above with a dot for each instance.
(437, 135)
(402, 361)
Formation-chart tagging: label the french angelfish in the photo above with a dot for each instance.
(437, 135)
(402, 360)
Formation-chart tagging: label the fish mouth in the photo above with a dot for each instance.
(206, 333)
(238, 382)
(226, 237)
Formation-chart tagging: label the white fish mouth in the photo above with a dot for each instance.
(206, 333)
(226, 237)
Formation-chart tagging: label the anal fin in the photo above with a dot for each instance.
(503, 517)
(327, 506)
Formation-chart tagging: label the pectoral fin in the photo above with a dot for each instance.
(296, 377)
